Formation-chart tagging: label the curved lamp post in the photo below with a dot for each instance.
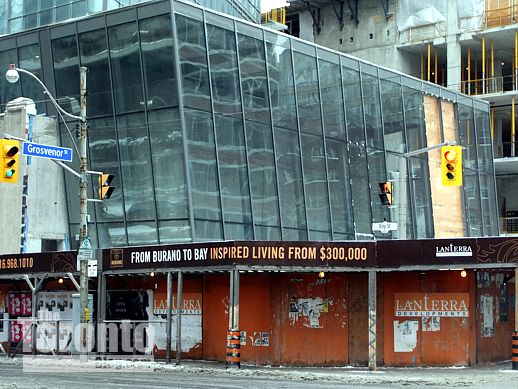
(12, 75)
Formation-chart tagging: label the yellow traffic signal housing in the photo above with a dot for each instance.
(386, 193)
(10, 153)
(105, 190)
(451, 165)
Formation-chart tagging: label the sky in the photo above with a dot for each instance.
(267, 5)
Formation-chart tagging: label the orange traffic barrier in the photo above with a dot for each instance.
(515, 350)
(233, 349)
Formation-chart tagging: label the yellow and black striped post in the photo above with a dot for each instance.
(233, 348)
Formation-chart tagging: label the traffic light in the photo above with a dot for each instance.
(386, 193)
(105, 190)
(10, 153)
(451, 165)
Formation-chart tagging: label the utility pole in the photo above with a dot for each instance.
(12, 76)
(83, 210)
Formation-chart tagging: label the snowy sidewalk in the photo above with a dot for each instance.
(495, 376)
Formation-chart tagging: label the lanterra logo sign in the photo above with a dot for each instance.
(452, 250)
(116, 258)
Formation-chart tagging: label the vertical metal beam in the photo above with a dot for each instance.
(168, 322)
(181, 111)
(272, 126)
(513, 125)
(236, 299)
(515, 60)
(436, 55)
(428, 62)
(324, 141)
(245, 143)
(483, 65)
(469, 72)
(179, 300)
(213, 117)
(372, 320)
(34, 316)
(493, 85)
(299, 136)
(422, 65)
(492, 110)
(231, 302)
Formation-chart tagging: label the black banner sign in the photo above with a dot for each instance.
(53, 262)
(257, 253)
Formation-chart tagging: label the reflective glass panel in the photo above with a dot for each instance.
(252, 64)
(193, 61)
(293, 211)
(168, 164)
(202, 166)
(142, 233)
(263, 181)
(332, 99)
(8, 91)
(104, 156)
(339, 187)
(94, 55)
(157, 56)
(308, 97)
(353, 105)
(112, 235)
(66, 73)
(487, 181)
(315, 183)
(29, 57)
(233, 171)
(360, 188)
(372, 108)
(223, 70)
(394, 129)
(470, 178)
(174, 231)
(208, 230)
(282, 93)
(135, 159)
(125, 65)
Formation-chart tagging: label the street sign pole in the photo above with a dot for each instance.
(83, 210)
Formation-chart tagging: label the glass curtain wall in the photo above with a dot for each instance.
(276, 138)
(20, 15)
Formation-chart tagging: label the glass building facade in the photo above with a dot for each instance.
(22, 15)
(216, 128)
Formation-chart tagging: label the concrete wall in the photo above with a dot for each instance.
(47, 206)
(46, 203)
(379, 48)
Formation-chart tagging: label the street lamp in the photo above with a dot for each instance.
(12, 75)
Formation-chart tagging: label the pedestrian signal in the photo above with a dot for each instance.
(386, 193)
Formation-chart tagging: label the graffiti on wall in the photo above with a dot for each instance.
(307, 311)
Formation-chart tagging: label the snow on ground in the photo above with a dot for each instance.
(437, 377)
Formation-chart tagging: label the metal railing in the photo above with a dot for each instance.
(505, 149)
(489, 85)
